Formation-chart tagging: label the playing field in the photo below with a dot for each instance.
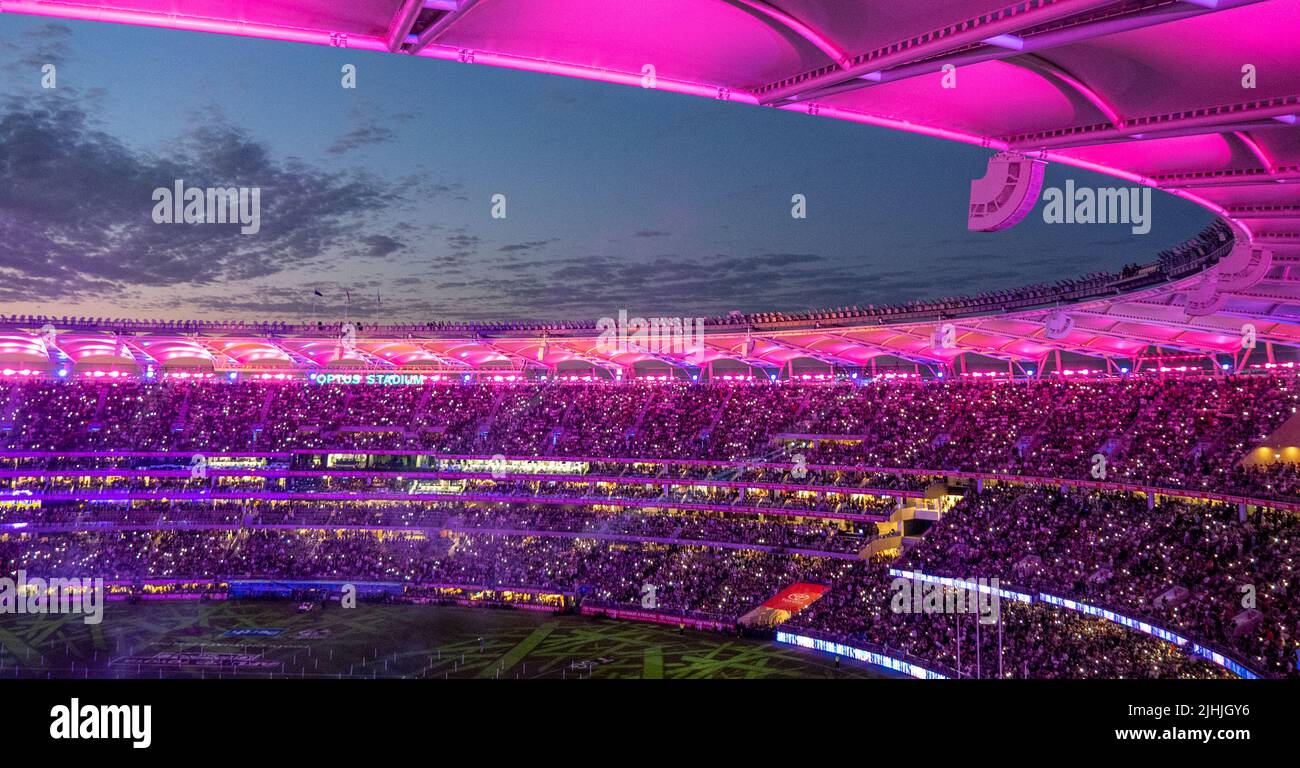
(271, 639)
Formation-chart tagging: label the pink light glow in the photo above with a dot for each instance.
(192, 23)
(283, 24)
(823, 43)
(865, 118)
(542, 66)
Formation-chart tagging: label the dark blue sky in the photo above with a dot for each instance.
(617, 198)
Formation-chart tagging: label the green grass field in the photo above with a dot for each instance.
(189, 639)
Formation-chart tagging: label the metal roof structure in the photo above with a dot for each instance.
(1196, 98)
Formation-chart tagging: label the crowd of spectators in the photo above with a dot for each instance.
(688, 580)
(1208, 571)
(1168, 432)
(780, 460)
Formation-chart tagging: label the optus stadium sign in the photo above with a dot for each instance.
(382, 379)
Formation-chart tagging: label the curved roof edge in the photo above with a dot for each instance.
(1214, 118)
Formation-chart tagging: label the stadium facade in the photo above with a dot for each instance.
(1195, 99)
(555, 493)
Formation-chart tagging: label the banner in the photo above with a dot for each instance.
(796, 597)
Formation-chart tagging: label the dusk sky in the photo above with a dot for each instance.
(617, 197)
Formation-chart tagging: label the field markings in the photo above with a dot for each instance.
(654, 664)
(520, 651)
(13, 644)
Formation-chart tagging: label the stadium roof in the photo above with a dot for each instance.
(1199, 98)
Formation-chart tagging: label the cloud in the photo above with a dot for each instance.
(76, 207)
(365, 136)
(378, 247)
(46, 44)
(527, 247)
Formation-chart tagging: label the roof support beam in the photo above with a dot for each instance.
(53, 352)
(435, 30)
(400, 25)
(297, 357)
(753, 362)
(443, 360)
(1189, 122)
(219, 355)
(782, 20)
(1257, 150)
(1035, 338)
(1171, 343)
(930, 44)
(995, 353)
(887, 350)
(138, 348)
(591, 358)
(1247, 178)
(821, 357)
(1042, 66)
(514, 356)
(372, 358)
(925, 60)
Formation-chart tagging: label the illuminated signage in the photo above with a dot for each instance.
(1209, 654)
(503, 466)
(372, 379)
(236, 462)
(437, 486)
(1005, 594)
(870, 657)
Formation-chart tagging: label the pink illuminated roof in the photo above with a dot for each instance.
(1198, 99)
